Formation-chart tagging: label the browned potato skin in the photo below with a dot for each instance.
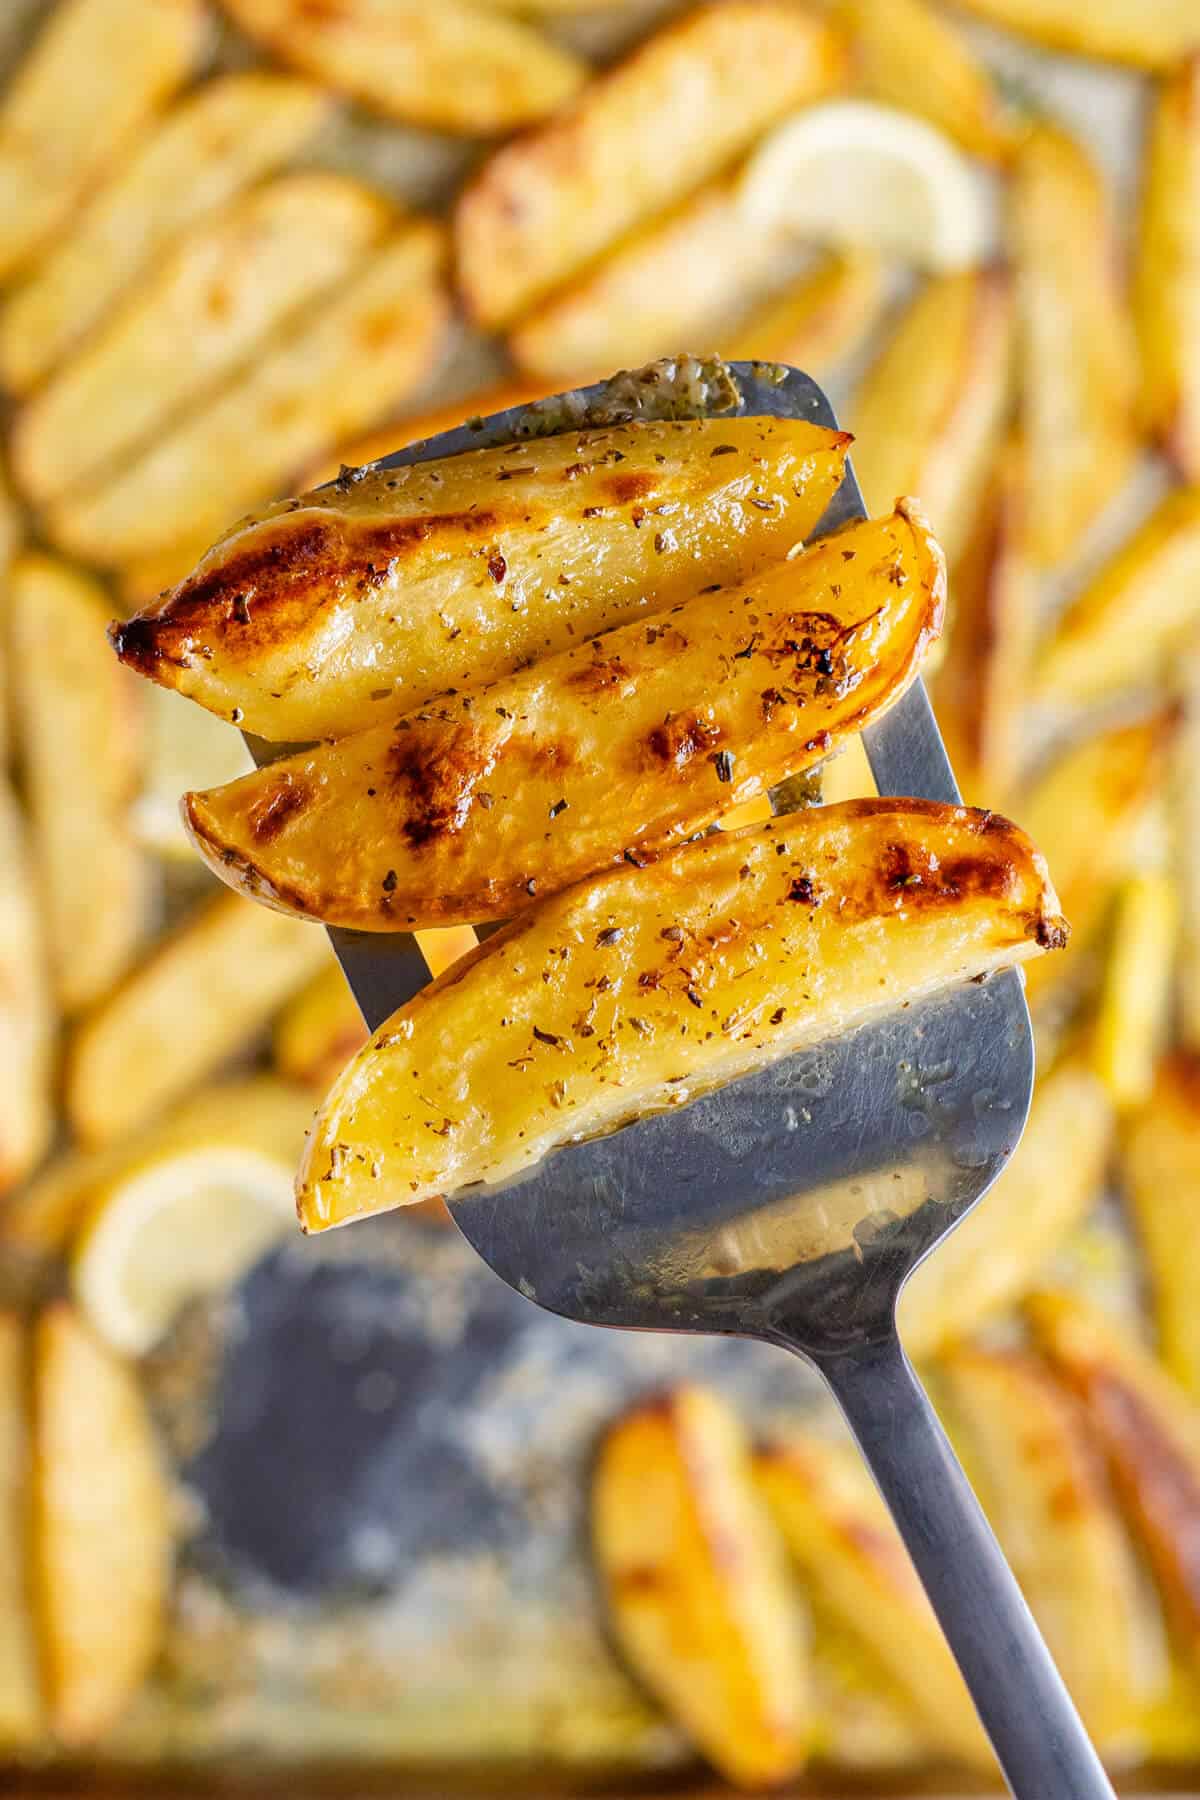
(1026, 1448)
(720, 958)
(101, 1528)
(693, 1573)
(304, 619)
(446, 65)
(1161, 1167)
(1166, 284)
(850, 1558)
(1077, 357)
(464, 810)
(1124, 31)
(1150, 1434)
(930, 413)
(675, 112)
(979, 689)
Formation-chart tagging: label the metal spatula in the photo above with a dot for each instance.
(793, 1205)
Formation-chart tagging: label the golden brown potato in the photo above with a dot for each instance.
(1133, 1013)
(327, 378)
(641, 137)
(77, 720)
(907, 55)
(78, 101)
(229, 133)
(818, 319)
(1166, 285)
(11, 534)
(680, 280)
(756, 943)
(148, 579)
(303, 621)
(979, 688)
(1183, 812)
(698, 1595)
(1042, 1484)
(1078, 366)
(1087, 806)
(20, 1694)
(1160, 1164)
(450, 66)
(1003, 1246)
(1127, 31)
(26, 1016)
(1150, 1433)
(930, 412)
(101, 1531)
(611, 751)
(1142, 607)
(842, 1540)
(230, 285)
(224, 972)
(318, 1030)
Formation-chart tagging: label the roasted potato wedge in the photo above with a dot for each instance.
(1042, 1483)
(26, 1016)
(451, 66)
(998, 1251)
(682, 279)
(101, 1530)
(328, 378)
(228, 134)
(224, 972)
(697, 1591)
(1150, 1433)
(20, 1691)
(611, 751)
(1077, 358)
(397, 586)
(11, 534)
(818, 319)
(1088, 805)
(1124, 31)
(719, 959)
(979, 688)
(318, 1030)
(228, 286)
(1132, 1018)
(851, 1560)
(1166, 284)
(1183, 811)
(1160, 1164)
(1142, 607)
(77, 717)
(93, 78)
(672, 114)
(908, 55)
(930, 412)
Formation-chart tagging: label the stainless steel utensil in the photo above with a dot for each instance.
(793, 1205)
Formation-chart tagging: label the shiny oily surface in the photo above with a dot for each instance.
(640, 738)
(634, 991)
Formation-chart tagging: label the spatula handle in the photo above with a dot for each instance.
(1026, 1711)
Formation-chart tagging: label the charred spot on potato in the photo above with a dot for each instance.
(681, 737)
(281, 803)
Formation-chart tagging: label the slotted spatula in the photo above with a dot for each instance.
(793, 1205)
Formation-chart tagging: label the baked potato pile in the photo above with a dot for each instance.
(248, 247)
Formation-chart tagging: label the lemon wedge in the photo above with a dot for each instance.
(185, 748)
(867, 177)
(188, 1209)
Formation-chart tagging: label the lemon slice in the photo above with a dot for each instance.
(185, 748)
(188, 1210)
(868, 177)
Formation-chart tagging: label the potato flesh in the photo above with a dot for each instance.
(697, 1591)
(228, 134)
(675, 112)
(642, 987)
(227, 287)
(1166, 288)
(303, 623)
(638, 739)
(326, 378)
